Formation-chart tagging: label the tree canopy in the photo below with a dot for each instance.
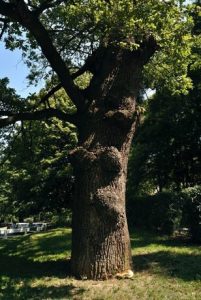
(65, 38)
(166, 152)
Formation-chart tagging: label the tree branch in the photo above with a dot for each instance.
(50, 93)
(59, 86)
(30, 21)
(8, 10)
(5, 25)
(8, 117)
(45, 5)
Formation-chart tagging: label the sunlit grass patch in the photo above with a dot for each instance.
(34, 267)
(38, 247)
(166, 256)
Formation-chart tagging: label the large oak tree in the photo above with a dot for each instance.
(115, 41)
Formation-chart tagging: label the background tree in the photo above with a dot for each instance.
(36, 175)
(113, 40)
(166, 151)
(164, 171)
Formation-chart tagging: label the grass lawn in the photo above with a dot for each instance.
(36, 267)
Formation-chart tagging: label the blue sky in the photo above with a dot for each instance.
(12, 66)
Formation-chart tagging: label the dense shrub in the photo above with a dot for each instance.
(162, 211)
(63, 218)
(191, 197)
(168, 211)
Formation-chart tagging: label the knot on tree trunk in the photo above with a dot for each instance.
(81, 158)
(108, 157)
(122, 117)
(111, 160)
(108, 206)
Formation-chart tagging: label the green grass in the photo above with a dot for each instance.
(36, 267)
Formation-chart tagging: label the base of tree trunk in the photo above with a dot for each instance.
(103, 256)
(100, 238)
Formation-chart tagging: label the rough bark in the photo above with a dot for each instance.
(101, 246)
(100, 243)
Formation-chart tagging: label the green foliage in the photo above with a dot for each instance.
(124, 19)
(39, 173)
(35, 174)
(192, 211)
(79, 27)
(9, 100)
(63, 218)
(167, 147)
(160, 212)
(168, 211)
(170, 68)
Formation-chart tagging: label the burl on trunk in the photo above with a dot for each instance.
(100, 242)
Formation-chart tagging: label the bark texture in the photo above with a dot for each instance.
(101, 244)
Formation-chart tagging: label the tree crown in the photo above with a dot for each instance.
(62, 37)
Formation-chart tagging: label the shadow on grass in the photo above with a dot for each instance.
(16, 267)
(167, 261)
(184, 266)
(25, 259)
(143, 239)
(17, 276)
(13, 291)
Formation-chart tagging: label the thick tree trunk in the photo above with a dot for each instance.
(100, 242)
(101, 245)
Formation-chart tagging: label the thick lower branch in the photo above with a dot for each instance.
(8, 117)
